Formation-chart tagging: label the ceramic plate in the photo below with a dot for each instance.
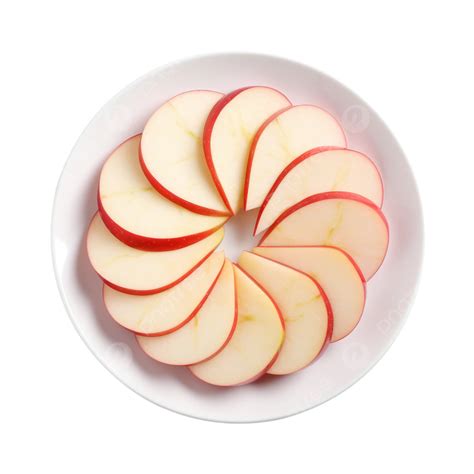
(390, 292)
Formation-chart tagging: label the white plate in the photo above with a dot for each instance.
(390, 292)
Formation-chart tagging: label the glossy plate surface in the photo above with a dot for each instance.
(390, 292)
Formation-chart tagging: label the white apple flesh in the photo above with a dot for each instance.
(167, 311)
(317, 171)
(140, 272)
(140, 216)
(206, 333)
(171, 152)
(283, 138)
(345, 220)
(304, 308)
(336, 273)
(256, 341)
(228, 135)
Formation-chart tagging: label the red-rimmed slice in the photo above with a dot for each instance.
(228, 135)
(140, 272)
(140, 216)
(280, 140)
(338, 275)
(169, 310)
(317, 171)
(206, 334)
(304, 308)
(345, 220)
(256, 341)
(171, 152)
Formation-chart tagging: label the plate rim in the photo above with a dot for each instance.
(255, 55)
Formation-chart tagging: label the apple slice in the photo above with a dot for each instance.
(281, 139)
(140, 216)
(139, 272)
(345, 220)
(228, 135)
(335, 272)
(303, 305)
(255, 343)
(167, 311)
(171, 152)
(206, 333)
(317, 171)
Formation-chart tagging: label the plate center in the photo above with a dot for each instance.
(238, 234)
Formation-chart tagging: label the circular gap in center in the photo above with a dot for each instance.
(238, 234)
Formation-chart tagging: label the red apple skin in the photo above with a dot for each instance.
(272, 361)
(167, 193)
(150, 244)
(252, 150)
(321, 197)
(282, 321)
(257, 137)
(231, 333)
(349, 257)
(327, 304)
(130, 291)
(358, 270)
(296, 162)
(180, 325)
(229, 337)
(206, 140)
(325, 298)
(173, 197)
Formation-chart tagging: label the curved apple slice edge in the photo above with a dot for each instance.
(326, 196)
(163, 189)
(207, 282)
(314, 152)
(262, 130)
(208, 128)
(329, 314)
(137, 289)
(123, 162)
(311, 265)
(197, 369)
(147, 343)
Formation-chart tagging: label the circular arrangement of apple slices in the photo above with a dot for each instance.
(164, 197)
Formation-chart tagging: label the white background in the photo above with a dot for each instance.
(61, 411)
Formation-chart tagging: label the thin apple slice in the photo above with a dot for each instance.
(338, 276)
(280, 140)
(228, 135)
(140, 216)
(318, 171)
(255, 343)
(303, 305)
(140, 272)
(206, 334)
(345, 220)
(171, 152)
(169, 310)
